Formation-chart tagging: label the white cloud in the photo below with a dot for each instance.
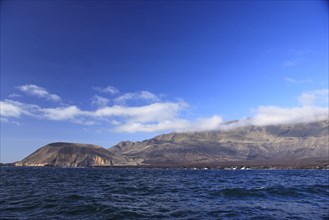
(61, 113)
(151, 113)
(272, 115)
(69, 113)
(99, 101)
(167, 125)
(307, 99)
(317, 97)
(236, 124)
(147, 113)
(109, 90)
(143, 95)
(314, 108)
(147, 118)
(39, 92)
(295, 56)
(148, 96)
(165, 116)
(289, 63)
(14, 95)
(14, 109)
(123, 98)
(174, 124)
(206, 124)
(10, 109)
(6, 120)
(294, 81)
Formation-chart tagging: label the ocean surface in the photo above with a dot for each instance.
(118, 193)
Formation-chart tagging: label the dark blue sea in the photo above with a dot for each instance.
(118, 193)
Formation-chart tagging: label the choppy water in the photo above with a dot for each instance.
(99, 193)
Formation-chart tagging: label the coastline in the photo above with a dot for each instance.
(307, 163)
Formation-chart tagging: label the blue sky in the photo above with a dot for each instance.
(104, 71)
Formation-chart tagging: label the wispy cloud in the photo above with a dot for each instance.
(39, 92)
(293, 56)
(14, 95)
(295, 81)
(13, 109)
(165, 116)
(289, 63)
(109, 90)
(124, 98)
(143, 95)
(61, 113)
(10, 109)
(6, 120)
(175, 124)
(146, 113)
(316, 97)
(161, 116)
(99, 101)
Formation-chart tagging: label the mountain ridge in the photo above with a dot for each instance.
(297, 141)
(265, 144)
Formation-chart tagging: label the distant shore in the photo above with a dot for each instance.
(308, 163)
(314, 163)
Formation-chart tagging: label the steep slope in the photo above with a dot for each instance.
(68, 155)
(251, 143)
